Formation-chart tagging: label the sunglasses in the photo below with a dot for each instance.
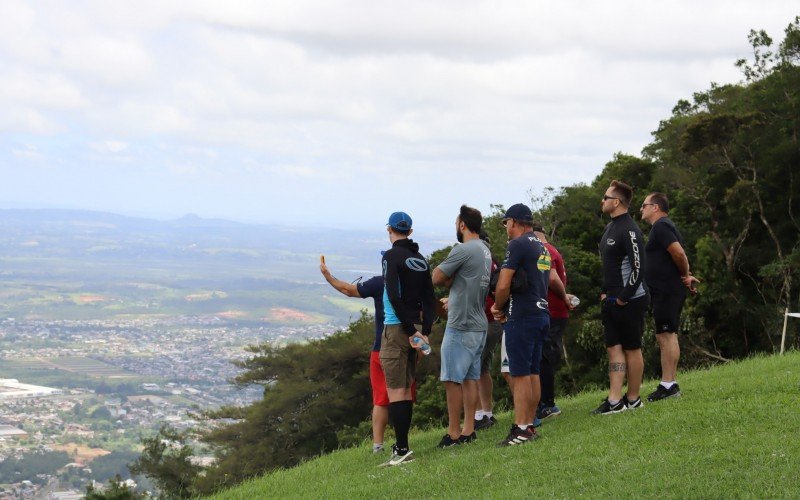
(646, 204)
(606, 197)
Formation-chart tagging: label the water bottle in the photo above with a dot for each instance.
(423, 346)
(575, 301)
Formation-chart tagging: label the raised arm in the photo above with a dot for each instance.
(344, 287)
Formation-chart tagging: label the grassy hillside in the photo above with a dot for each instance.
(734, 433)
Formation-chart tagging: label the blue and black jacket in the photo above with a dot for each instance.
(408, 291)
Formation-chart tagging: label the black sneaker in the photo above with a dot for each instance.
(447, 441)
(662, 392)
(485, 422)
(517, 436)
(606, 408)
(632, 405)
(462, 439)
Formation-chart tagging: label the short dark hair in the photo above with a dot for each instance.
(402, 233)
(661, 200)
(471, 217)
(538, 227)
(623, 191)
(484, 236)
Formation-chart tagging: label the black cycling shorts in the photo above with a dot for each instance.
(624, 325)
(667, 309)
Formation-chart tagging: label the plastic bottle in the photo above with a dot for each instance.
(423, 346)
(575, 301)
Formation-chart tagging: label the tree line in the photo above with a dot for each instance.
(727, 158)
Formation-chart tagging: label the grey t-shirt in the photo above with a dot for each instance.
(469, 264)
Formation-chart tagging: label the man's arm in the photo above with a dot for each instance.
(503, 289)
(557, 286)
(441, 279)
(444, 272)
(682, 262)
(679, 258)
(344, 287)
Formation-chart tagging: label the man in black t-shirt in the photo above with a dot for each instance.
(666, 273)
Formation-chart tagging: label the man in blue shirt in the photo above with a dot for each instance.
(372, 288)
(522, 305)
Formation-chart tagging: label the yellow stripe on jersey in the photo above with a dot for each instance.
(544, 262)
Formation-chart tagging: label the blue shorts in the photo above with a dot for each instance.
(461, 355)
(523, 339)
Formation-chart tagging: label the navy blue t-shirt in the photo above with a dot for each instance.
(373, 288)
(528, 253)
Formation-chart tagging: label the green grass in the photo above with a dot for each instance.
(734, 433)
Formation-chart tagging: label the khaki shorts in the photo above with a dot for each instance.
(398, 358)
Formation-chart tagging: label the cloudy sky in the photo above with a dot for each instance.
(336, 113)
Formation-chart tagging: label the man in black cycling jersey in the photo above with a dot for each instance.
(623, 300)
(407, 294)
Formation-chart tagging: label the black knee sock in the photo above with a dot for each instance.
(400, 415)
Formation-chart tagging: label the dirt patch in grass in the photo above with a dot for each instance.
(84, 455)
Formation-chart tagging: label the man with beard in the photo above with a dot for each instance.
(623, 300)
(466, 272)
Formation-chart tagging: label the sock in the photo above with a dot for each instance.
(479, 414)
(377, 446)
(613, 402)
(400, 414)
(523, 427)
(488, 413)
(667, 385)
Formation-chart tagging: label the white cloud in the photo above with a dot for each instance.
(109, 146)
(356, 93)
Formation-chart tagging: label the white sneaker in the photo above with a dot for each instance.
(398, 458)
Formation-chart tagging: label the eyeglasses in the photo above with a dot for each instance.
(606, 197)
(646, 204)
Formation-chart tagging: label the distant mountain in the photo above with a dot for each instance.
(278, 251)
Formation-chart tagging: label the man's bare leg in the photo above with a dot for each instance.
(485, 392)
(635, 372)
(670, 355)
(380, 419)
(470, 392)
(616, 371)
(523, 399)
(455, 403)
